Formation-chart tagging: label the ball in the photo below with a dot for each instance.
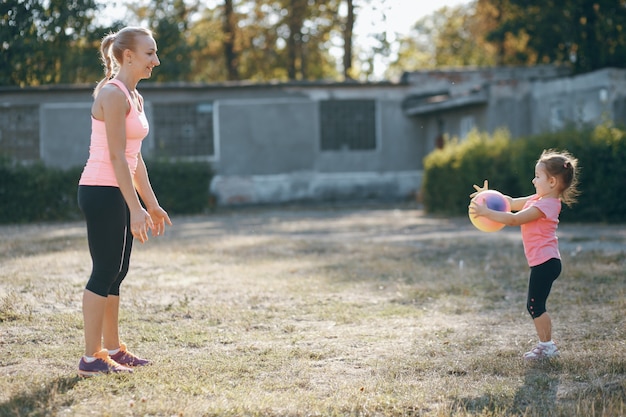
(495, 201)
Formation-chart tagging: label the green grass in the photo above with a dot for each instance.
(331, 312)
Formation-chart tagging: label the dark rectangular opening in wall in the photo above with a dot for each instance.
(348, 125)
(184, 130)
(19, 132)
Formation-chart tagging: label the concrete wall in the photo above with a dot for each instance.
(584, 99)
(65, 134)
(270, 150)
(510, 107)
(267, 138)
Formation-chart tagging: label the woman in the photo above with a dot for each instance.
(110, 187)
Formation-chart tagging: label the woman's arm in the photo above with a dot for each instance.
(144, 188)
(112, 105)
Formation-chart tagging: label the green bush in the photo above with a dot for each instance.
(447, 171)
(509, 166)
(181, 187)
(35, 193)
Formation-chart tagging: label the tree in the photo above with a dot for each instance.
(348, 27)
(305, 28)
(584, 34)
(169, 20)
(229, 31)
(48, 42)
(296, 56)
(450, 37)
(265, 40)
(56, 41)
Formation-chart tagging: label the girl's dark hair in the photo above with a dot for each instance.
(112, 51)
(564, 167)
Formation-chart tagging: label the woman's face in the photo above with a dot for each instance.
(145, 58)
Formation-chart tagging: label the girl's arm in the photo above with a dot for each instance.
(526, 215)
(112, 105)
(516, 203)
(144, 188)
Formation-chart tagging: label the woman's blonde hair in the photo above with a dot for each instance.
(112, 51)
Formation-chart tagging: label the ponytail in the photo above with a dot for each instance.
(108, 61)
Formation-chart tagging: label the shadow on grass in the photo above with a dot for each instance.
(39, 402)
(536, 397)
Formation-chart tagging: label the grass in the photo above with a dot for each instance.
(379, 311)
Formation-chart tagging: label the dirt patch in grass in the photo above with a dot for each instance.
(370, 311)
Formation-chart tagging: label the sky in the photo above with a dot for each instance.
(402, 14)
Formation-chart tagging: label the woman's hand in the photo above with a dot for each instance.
(159, 218)
(140, 222)
(478, 189)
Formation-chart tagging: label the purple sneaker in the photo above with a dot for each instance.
(102, 365)
(125, 358)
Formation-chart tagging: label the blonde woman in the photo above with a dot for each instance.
(110, 187)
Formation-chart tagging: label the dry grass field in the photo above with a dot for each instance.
(344, 311)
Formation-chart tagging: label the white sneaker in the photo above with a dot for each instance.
(542, 352)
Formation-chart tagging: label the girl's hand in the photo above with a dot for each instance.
(476, 209)
(140, 222)
(159, 218)
(478, 189)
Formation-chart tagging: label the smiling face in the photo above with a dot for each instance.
(544, 183)
(144, 58)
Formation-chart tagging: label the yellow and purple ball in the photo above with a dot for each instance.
(495, 201)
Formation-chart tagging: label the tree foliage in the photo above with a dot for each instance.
(583, 34)
(48, 42)
(169, 20)
(586, 34)
(450, 37)
(57, 41)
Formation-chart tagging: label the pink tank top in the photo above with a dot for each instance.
(98, 169)
(539, 237)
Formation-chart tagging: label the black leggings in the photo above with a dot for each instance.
(541, 278)
(109, 236)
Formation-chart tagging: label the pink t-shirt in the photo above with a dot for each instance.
(99, 169)
(539, 237)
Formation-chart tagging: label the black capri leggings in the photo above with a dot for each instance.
(541, 278)
(109, 235)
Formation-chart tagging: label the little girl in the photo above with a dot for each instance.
(538, 215)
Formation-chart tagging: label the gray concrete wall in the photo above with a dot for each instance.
(510, 107)
(267, 137)
(316, 186)
(270, 152)
(65, 134)
(583, 99)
